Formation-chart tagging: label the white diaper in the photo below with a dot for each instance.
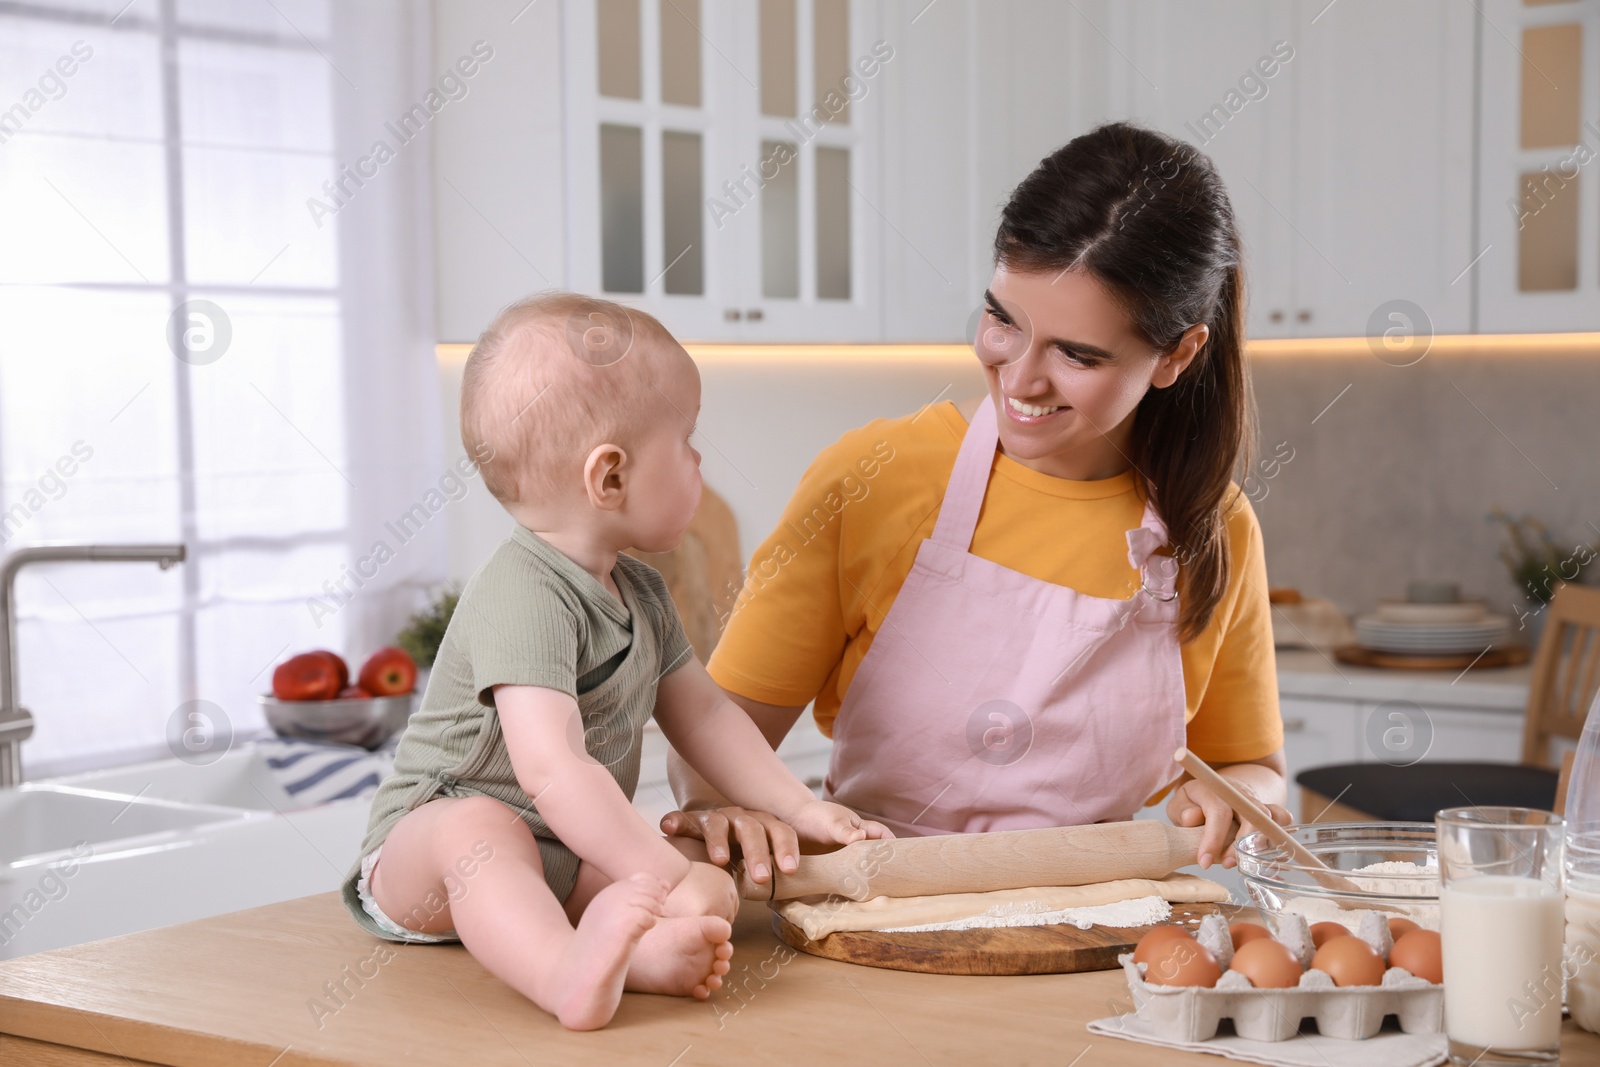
(386, 924)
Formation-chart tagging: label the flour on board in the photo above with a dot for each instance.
(1139, 911)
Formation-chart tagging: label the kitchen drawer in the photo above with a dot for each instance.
(1472, 735)
(1401, 733)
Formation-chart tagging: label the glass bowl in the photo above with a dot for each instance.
(1277, 882)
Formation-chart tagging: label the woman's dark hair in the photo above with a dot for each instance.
(1147, 216)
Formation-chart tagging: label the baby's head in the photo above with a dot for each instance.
(579, 413)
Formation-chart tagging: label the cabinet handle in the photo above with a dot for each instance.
(1275, 315)
(755, 315)
(1293, 726)
(732, 315)
(1303, 315)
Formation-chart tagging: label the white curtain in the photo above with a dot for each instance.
(300, 430)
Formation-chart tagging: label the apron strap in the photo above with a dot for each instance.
(1159, 573)
(969, 480)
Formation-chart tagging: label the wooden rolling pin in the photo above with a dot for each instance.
(977, 863)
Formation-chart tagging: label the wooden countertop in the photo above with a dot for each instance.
(242, 989)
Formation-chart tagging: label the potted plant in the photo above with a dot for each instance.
(424, 631)
(1539, 566)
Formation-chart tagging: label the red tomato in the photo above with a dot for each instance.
(339, 664)
(308, 676)
(388, 672)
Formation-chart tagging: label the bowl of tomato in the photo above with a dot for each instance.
(312, 697)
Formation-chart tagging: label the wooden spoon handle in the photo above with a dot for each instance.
(1246, 806)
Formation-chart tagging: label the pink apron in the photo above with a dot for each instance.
(991, 700)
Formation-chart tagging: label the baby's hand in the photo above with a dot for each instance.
(705, 890)
(822, 820)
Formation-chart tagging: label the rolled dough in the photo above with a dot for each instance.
(820, 916)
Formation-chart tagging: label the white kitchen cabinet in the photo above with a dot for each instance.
(1382, 187)
(1336, 713)
(1470, 736)
(1183, 73)
(689, 225)
(722, 162)
(1318, 732)
(498, 179)
(1351, 168)
(1538, 181)
(1348, 165)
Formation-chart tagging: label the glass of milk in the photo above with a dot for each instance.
(1502, 882)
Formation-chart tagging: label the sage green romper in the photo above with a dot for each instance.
(531, 616)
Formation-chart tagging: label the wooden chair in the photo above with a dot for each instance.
(704, 572)
(1560, 806)
(1566, 675)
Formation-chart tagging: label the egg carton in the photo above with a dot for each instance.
(1191, 1013)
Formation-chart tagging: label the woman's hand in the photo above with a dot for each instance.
(761, 836)
(1193, 803)
(752, 830)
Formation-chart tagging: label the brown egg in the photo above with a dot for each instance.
(1399, 928)
(1182, 961)
(1243, 932)
(1321, 932)
(1148, 944)
(1348, 960)
(1267, 963)
(1418, 952)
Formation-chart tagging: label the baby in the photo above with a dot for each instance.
(507, 823)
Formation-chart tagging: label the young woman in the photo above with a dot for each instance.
(1034, 597)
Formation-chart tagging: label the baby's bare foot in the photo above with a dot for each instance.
(684, 957)
(585, 988)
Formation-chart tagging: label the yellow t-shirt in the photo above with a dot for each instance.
(818, 588)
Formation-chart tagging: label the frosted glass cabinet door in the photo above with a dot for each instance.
(722, 162)
(810, 230)
(1538, 184)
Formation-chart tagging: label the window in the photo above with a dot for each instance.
(193, 348)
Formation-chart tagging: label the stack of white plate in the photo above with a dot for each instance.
(1432, 629)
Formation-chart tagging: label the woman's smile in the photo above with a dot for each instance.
(1032, 414)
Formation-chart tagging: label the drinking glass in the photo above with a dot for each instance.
(1502, 882)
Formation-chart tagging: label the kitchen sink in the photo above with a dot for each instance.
(39, 824)
(239, 779)
(116, 851)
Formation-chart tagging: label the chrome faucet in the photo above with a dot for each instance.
(16, 723)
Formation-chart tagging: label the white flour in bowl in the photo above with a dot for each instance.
(1136, 911)
(1423, 883)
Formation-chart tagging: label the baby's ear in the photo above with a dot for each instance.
(603, 477)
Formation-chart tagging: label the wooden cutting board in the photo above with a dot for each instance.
(991, 950)
(1508, 656)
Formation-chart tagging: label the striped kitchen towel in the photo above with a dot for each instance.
(316, 772)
